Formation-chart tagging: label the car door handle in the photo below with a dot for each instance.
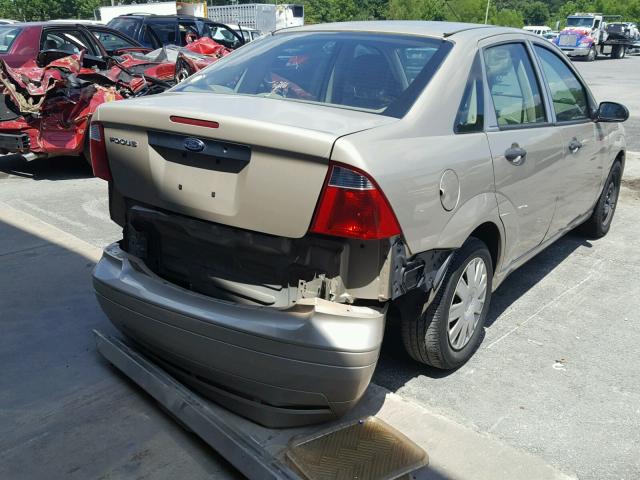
(575, 145)
(515, 154)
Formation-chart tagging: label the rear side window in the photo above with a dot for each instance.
(513, 85)
(567, 93)
(470, 116)
(376, 73)
(7, 36)
(128, 26)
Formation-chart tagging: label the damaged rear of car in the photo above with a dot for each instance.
(253, 266)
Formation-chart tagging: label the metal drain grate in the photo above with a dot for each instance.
(367, 449)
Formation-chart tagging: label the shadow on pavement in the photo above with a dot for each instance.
(395, 367)
(65, 412)
(56, 168)
(62, 403)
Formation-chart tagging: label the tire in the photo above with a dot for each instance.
(598, 224)
(86, 152)
(426, 335)
(592, 55)
(618, 51)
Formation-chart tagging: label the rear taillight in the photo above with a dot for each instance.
(352, 205)
(98, 150)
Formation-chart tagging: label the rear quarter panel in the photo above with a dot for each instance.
(407, 159)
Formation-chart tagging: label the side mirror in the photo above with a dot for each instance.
(611, 112)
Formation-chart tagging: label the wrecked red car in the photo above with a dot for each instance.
(54, 75)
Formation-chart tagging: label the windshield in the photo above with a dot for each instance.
(7, 35)
(580, 22)
(378, 73)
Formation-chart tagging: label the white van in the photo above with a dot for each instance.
(538, 30)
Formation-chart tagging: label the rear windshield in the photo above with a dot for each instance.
(125, 25)
(8, 34)
(373, 72)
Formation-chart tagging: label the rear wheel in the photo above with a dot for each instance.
(447, 333)
(618, 51)
(86, 152)
(598, 224)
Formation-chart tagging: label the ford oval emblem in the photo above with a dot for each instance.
(194, 144)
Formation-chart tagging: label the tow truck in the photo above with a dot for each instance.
(588, 35)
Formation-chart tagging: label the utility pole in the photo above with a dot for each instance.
(486, 13)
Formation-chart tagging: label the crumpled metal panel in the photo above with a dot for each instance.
(53, 104)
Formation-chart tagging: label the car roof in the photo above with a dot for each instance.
(411, 27)
(58, 23)
(155, 16)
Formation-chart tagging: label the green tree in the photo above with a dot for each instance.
(416, 10)
(535, 13)
(321, 11)
(34, 10)
(373, 9)
(506, 17)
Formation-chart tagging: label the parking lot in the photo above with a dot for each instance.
(555, 376)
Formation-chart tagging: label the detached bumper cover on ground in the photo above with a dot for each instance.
(300, 365)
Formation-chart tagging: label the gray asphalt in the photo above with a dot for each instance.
(555, 375)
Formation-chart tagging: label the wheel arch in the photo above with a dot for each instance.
(621, 157)
(490, 235)
(478, 217)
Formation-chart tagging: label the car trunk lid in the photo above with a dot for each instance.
(248, 162)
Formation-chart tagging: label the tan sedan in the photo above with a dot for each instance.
(275, 205)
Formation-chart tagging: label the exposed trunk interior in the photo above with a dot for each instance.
(254, 268)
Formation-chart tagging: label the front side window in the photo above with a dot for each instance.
(470, 116)
(513, 85)
(567, 93)
(187, 32)
(372, 72)
(112, 42)
(71, 41)
(222, 35)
